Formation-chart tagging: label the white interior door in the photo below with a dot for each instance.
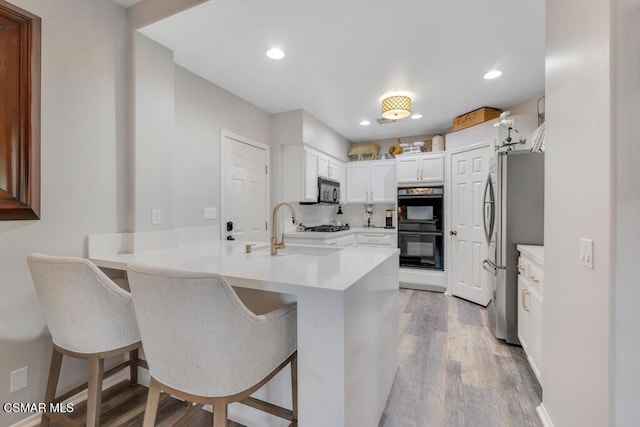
(469, 171)
(245, 190)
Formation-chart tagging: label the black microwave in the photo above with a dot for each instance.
(328, 191)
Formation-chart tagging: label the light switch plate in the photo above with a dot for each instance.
(156, 217)
(210, 213)
(586, 252)
(19, 379)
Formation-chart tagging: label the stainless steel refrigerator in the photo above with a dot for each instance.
(513, 208)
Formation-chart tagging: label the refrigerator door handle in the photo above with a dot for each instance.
(494, 267)
(488, 215)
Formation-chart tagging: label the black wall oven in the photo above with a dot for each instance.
(420, 216)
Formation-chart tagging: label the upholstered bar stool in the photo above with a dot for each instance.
(204, 345)
(89, 317)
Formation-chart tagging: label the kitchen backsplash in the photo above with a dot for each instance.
(354, 215)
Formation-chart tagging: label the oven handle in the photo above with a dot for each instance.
(427, 233)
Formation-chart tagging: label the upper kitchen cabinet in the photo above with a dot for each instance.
(329, 167)
(419, 168)
(300, 167)
(371, 182)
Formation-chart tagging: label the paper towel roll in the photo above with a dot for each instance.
(437, 143)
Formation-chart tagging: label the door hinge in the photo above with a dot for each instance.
(266, 169)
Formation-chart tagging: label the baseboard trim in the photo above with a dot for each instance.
(544, 416)
(422, 287)
(34, 420)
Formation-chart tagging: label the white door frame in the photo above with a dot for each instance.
(447, 203)
(224, 134)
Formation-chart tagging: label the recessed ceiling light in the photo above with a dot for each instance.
(365, 123)
(493, 74)
(275, 53)
(416, 116)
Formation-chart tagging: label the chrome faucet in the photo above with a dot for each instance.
(275, 245)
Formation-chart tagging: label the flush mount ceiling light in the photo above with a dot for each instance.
(493, 74)
(275, 53)
(365, 123)
(396, 107)
(416, 116)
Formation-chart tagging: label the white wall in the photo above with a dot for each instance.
(320, 136)
(84, 89)
(579, 202)
(626, 316)
(286, 129)
(202, 110)
(151, 182)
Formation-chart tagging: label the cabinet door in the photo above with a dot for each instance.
(324, 166)
(523, 314)
(535, 331)
(334, 170)
(310, 176)
(357, 188)
(382, 182)
(408, 169)
(432, 168)
(343, 182)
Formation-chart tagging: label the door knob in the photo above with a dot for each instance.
(453, 233)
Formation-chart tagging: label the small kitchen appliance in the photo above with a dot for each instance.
(388, 218)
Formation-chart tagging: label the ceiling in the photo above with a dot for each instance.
(343, 56)
(127, 3)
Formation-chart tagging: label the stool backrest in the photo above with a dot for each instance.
(197, 334)
(85, 311)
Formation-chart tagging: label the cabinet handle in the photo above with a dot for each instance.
(534, 279)
(332, 243)
(524, 296)
(417, 174)
(421, 174)
(520, 267)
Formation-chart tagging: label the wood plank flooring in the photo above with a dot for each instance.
(453, 372)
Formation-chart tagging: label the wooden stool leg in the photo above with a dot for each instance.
(52, 384)
(151, 409)
(133, 366)
(219, 413)
(94, 398)
(294, 385)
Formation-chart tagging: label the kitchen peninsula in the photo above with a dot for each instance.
(347, 319)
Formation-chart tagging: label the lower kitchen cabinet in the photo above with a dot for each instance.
(354, 237)
(530, 299)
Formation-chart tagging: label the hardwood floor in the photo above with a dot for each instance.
(453, 372)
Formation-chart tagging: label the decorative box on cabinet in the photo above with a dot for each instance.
(530, 299)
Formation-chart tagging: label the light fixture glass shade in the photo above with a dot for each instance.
(396, 107)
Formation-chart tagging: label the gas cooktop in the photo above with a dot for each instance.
(327, 228)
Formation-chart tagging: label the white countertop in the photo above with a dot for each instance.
(335, 234)
(534, 252)
(336, 271)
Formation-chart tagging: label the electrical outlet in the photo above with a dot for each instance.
(19, 379)
(156, 217)
(586, 252)
(210, 213)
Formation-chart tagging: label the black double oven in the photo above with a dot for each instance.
(420, 225)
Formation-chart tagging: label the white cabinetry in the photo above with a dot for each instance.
(328, 167)
(377, 239)
(530, 298)
(419, 168)
(301, 167)
(300, 174)
(371, 182)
